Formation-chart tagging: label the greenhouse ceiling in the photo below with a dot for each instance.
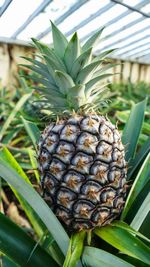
(127, 23)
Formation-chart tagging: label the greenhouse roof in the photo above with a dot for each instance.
(127, 23)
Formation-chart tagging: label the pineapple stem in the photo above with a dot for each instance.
(75, 249)
(89, 237)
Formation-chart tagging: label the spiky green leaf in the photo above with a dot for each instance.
(44, 73)
(27, 251)
(131, 133)
(7, 262)
(133, 164)
(36, 63)
(38, 225)
(83, 60)
(59, 40)
(104, 68)
(38, 80)
(10, 118)
(94, 257)
(37, 203)
(53, 64)
(103, 55)
(130, 229)
(125, 242)
(50, 53)
(32, 130)
(91, 42)
(94, 81)
(141, 179)
(142, 213)
(63, 81)
(39, 45)
(86, 73)
(76, 96)
(72, 51)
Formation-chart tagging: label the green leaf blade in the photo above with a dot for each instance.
(18, 106)
(27, 252)
(133, 164)
(86, 73)
(76, 96)
(83, 60)
(125, 242)
(142, 178)
(141, 214)
(94, 81)
(59, 40)
(72, 52)
(133, 128)
(64, 81)
(91, 42)
(100, 258)
(7, 262)
(37, 203)
(32, 130)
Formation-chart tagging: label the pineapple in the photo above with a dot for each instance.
(80, 153)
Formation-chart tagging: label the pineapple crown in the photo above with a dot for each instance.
(69, 77)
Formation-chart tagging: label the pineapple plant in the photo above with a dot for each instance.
(80, 153)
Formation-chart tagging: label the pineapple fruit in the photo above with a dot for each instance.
(80, 153)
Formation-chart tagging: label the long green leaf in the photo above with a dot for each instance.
(125, 242)
(137, 203)
(35, 78)
(133, 261)
(34, 164)
(37, 203)
(103, 54)
(37, 63)
(94, 81)
(141, 214)
(141, 179)
(38, 225)
(76, 96)
(32, 131)
(23, 250)
(40, 71)
(83, 60)
(104, 69)
(49, 54)
(130, 229)
(46, 240)
(72, 51)
(59, 40)
(145, 229)
(92, 40)
(10, 135)
(13, 114)
(7, 262)
(138, 158)
(94, 257)
(53, 64)
(64, 81)
(133, 128)
(86, 73)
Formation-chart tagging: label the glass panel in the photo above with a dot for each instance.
(15, 15)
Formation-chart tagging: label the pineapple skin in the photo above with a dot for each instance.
(83, 170)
